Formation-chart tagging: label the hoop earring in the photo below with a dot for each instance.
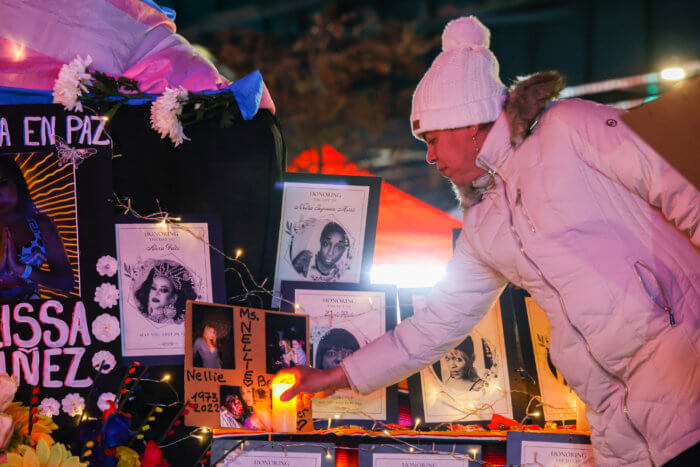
(476, 146)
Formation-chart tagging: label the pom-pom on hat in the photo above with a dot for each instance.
(461, 87)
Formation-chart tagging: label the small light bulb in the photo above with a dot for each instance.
(205, 429)
(239, 252)
(411, 449)
(162, 223)
(296, 306)
(165, 378)
(199, 437)
(535, 414)
(328, 453)
(673, 73)
(386, 432)
(336, 416)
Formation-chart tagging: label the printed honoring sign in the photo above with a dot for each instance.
(327, 228)
(417, 460)
(160, 268)
(548, 454)
(470, 382)
(228, 451)
(270, 458)
(440, 455)
(343, 318)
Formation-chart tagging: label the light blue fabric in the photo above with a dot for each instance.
(247, 91)
(169, 12)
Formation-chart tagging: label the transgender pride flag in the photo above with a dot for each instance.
(132, 38)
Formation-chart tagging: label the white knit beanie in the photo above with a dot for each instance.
(461, 87)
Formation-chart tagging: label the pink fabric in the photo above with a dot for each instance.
(124, 38)
(579, 217)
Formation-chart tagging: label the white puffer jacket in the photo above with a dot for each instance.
(579, 217)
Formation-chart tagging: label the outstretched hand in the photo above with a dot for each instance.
(312, 382)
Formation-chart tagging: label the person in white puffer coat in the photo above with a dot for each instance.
(562, 199)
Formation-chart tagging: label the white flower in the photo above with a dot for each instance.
(107, 266)
(107, 295)
(73, 404)
(72, 82)
(105, 327)
(165, 112)
(105, 359)
(103, 401)
(50, 407)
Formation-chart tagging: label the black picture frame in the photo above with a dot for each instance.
(512, 357)
(222, 446)
(216, 265)
(285, 236)
(471, 454)
(515, 439)
(289, 289)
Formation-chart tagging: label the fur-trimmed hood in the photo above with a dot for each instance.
(527, 98)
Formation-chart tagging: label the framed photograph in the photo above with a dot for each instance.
(397, 455)
(343, 318)
(228, 358)
(549, 449)
(227, 451)
(559, 400)
(161, 267)
(470, 382)
(327, 228)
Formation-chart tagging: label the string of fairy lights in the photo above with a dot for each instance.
(165, 220)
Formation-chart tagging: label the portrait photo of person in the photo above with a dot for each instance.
(32, 252)
(285, 341)
(238, 408)
(333, 347)
(325, 265)
(212, 337)
(164, 293)
(456, 368)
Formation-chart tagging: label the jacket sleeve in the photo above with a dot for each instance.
(454, 306)
(609, 146)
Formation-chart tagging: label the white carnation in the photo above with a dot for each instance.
(105, 327)
(107, 266)
(107, 295)
(73, 404)
(50, 407)
(72, 82)
(165, 112)
(103, 400)
(105, 360)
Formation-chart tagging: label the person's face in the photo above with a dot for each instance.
(247, 394)
(161, 294)
(8, 193)
(332, 248)
(283, 345)
(209, 334)
(295, 345)
(456, 362)
(454, 153)
(334, 356)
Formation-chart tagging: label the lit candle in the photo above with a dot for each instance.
(284, 414)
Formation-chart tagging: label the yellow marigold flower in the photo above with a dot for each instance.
(41, 430)
(44, 456)
(127, 457)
